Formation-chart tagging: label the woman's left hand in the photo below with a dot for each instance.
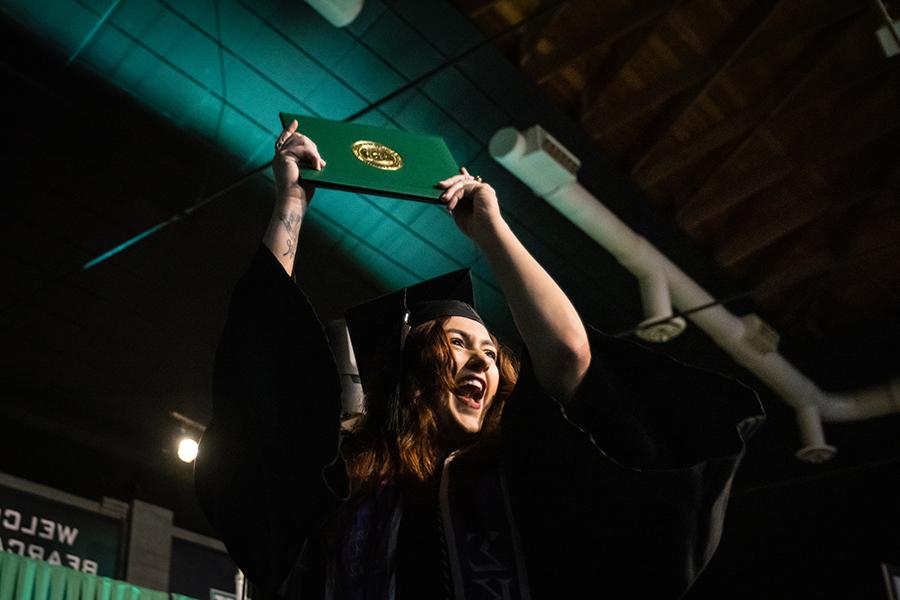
(472, 203)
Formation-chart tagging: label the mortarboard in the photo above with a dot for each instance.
(378, 331)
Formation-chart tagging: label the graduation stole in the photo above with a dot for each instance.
(483, 546)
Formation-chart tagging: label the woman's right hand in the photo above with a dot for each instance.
(293, 152)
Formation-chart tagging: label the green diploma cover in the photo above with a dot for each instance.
(376, 160)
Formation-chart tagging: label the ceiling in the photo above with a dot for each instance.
(768, 130)
(755, 143)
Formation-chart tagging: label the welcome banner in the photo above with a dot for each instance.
(59, 534)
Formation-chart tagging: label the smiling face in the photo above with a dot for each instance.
(475, 377)
(455, 383)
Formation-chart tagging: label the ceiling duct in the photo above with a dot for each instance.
(747, 339)
(339, 13)
(549, 169)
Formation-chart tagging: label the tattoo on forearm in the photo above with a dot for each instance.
(290, 222)
(291, 249)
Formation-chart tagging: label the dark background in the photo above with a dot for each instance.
(93, 362)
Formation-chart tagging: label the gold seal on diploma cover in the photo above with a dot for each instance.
(377, 155)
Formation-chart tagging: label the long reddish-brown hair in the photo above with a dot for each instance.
(415, 452)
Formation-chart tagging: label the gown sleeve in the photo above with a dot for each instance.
(275, 426)
(625, 488)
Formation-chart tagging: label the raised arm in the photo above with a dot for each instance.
(549, 325)
(292, 151)
(275, 426)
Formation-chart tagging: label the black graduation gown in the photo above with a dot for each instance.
(625, 488)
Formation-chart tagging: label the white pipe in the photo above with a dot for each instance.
(659, 324)
(634, 252)
(580, 206)
(639, 256)
(655, 295)
(865, 404)
(815, 449)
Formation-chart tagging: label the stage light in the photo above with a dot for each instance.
(187, 449)
(187, 434)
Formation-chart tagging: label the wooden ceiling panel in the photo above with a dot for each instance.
(849, 255)
(744, 86)
(706, 201)
(874, 230)
(571, 41)
(633, 96)
(672, 159)
(762, 220)
(686, 170)
(720, 54)
(620, 139)
(603, 72)
(763, 126)
(844, 197)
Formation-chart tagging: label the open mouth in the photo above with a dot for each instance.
(470, 391)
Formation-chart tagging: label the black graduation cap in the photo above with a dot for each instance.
(378, 330)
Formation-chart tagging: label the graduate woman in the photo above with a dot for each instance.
(590, 465)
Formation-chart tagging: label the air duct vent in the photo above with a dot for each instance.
(554, 149)
(545, 164)
(660, 332)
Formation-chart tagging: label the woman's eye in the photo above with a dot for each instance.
(457, 342)
(492, 354)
